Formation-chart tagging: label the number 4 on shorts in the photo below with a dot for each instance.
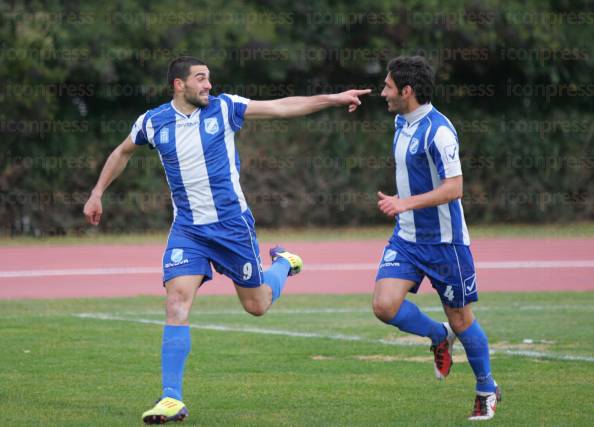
(449, 293)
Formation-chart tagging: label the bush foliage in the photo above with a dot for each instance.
(515, 77)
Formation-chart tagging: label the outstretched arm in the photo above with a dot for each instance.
(115, 164)
(450, 189)
(296, 106)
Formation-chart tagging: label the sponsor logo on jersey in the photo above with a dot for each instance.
(187, 124)
(470, 285)
(451, 152)
(389, 264)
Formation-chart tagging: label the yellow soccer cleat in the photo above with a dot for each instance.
(293, 259)
(167, 409)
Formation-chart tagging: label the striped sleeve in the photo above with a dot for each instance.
(138, 132)
(236, 109)
(444, 150)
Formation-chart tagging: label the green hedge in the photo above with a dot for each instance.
(514, 77)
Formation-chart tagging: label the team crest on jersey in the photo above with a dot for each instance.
(164, 136)
(390, 255)
(414, 146)
(211, 125)
(177, 255)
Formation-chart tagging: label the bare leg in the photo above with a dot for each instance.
(255, 301)
(391, 306)
(176, 333)
(459, 319)
(180, 297)
(388, 296)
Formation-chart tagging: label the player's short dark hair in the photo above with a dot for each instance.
(179, 68)
(413, 71)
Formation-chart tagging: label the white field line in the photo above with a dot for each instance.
(111, 271)
(352, 310)
(337, 337)
(361, 310)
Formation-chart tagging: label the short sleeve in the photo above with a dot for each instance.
(138, 132)
(236, 109)
(444, 151)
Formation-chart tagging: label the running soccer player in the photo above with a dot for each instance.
(212, 224)
(430, 237)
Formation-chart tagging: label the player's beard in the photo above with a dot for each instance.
(195, 100)
(397, 106)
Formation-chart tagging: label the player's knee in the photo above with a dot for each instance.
(177, 316)
(459, 325)
(255, 307)
(178, 311)
(459, 321)
(384, 309)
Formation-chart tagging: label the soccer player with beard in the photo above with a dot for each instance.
(212, 224)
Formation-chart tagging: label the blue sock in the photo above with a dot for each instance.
(476, 345)
(175, 350)
(412, 320)
(276, 276)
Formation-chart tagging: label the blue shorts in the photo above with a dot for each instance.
(231, 246)
(449, 267)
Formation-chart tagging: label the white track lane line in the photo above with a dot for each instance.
(114, 271)
(338, 337)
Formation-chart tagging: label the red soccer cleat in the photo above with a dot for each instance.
(443, 354)
(485, 405)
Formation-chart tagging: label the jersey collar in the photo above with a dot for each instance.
(417, 114)
(185, 116)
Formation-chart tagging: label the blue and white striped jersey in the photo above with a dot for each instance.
(199, 157)
(426, 151)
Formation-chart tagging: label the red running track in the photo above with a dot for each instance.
(338, 267)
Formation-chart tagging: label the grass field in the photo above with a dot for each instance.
(529, 231)
(311, 361)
